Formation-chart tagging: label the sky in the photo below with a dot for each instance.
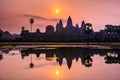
(16, 13)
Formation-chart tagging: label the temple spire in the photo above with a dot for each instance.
(60, 23)
(77, 26)
(69, 22)
(83, 24)
(59, 26)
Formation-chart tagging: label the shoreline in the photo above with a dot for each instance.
(112, 45)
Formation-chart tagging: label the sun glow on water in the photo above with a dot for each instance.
(57, 72)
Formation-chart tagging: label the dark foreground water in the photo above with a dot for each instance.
(59, 64)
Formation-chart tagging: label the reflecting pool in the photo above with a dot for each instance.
(59, 63)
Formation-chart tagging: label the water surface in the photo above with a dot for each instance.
(59, 63)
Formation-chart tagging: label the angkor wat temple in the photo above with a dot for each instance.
(69, 33)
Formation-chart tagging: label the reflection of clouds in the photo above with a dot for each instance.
(46, 64)
(14, 52)
(41, 65)
(40, 58)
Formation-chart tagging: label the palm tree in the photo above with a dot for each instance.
(31, 22)
(88, 30)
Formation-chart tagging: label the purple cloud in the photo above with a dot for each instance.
(42, 18)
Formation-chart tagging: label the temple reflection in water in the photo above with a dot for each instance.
(70, 54)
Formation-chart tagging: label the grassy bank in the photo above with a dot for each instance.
(111, 44)
(114, 44)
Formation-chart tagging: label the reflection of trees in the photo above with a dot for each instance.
(88, 61)
(70, 54)
(1, 56)
(6, 50)
(49, 56)
(31, 64)
(27, 52)
(112, 58)
(30, 51)
(86, 57)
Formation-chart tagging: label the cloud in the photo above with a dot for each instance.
(42, 18)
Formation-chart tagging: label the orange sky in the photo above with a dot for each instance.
(16, 13)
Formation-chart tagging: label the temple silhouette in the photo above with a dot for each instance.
(71, 33)
(68, 33)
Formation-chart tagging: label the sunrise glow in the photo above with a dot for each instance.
(57, 11)
(14, 15)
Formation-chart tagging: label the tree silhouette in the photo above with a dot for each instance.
(112, 28)
(31, 22)
(0, 33)
(88, 30)
(109, 28)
